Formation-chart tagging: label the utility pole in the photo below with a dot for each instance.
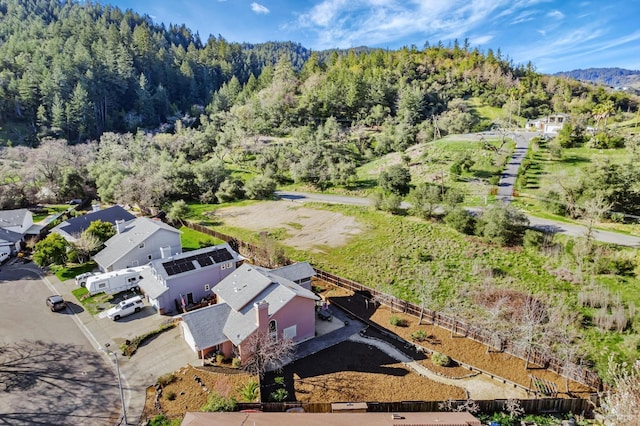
(124, 408)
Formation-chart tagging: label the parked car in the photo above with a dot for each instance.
(56, 303)
(125, 308)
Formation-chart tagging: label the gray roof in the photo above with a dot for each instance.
(78, 224)
(135, 232)
(206, 325)
(296, 272)
(10, 236)
(151, 286)
(249, 285)
(12, 217)
(157, 264)
(242, 286)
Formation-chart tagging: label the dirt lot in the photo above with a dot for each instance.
(306, 228)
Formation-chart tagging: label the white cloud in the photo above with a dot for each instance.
(556, 14)
(347, 23)
(481, 40)
(258, 8)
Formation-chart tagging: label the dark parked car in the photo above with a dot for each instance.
(56, 303)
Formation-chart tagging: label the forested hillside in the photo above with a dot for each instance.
(616, 77)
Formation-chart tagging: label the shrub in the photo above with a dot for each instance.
(441, 360)
(236, 363)
(166, 379)
(250, 391)
(399, 322)
(219, 358)
(217, 402)
(279, 395)
(461, 220)
(171, 395)
(532, 239)
(419, 336)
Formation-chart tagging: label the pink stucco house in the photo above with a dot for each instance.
(248, 300)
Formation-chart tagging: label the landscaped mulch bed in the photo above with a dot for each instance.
(457, 347)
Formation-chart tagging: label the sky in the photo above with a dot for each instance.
(555, 35)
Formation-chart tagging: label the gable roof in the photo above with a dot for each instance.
(133, 233)
(9, 236)
(242, 286)
(78, 224)
(248, 285)
(295, 272)
(183, 263)
(13, 217)
(200, 323)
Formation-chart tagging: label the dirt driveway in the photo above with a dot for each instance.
(305, 228)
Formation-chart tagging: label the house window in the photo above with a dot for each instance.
(273, 330)
(206, 287)
(290, 332)
(141, 245)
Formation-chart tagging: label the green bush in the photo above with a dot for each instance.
(250, 391)
(461, 220)
(166, 379)
(162, 420)
(399, 322)
(279, 395)
(419, 336)
(217, 402)
(236, 363)
(171, 395)
(219, 358)
(440, 359)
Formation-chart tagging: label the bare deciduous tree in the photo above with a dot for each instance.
(620, 404)
(266, 353)
(532, 319)
(85, 244)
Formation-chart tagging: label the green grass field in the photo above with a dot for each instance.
(193, 240)
(396, 250)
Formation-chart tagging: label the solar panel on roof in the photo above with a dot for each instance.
(221, 255)
(205, 260)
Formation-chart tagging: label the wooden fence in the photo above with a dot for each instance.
(530, 406)
(574, 372)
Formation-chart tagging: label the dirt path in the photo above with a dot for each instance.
(477, 387)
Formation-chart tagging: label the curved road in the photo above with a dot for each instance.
(534, 222)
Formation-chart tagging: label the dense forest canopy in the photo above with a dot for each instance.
(76, 70)
(137, 94)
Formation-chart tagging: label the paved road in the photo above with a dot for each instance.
(50, 372)
(508, 177)
(535, 222)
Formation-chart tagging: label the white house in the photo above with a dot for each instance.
(138, 242)
(15, 225)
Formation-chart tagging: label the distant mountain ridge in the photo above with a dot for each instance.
(616, 77)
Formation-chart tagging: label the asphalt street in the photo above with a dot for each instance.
(50, 372)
